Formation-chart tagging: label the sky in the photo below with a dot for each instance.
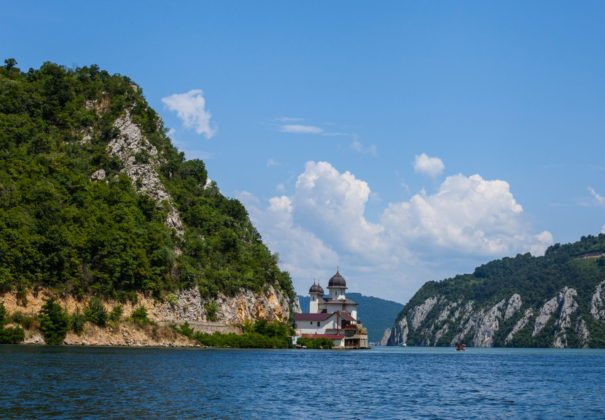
(398, 141)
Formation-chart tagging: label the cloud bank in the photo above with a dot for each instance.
(322, 223)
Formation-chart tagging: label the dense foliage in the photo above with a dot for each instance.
(59, 229)
(139, 316)
(316, 343)
(537, 279)
(260, 334)
(9, 335)
(54, 322)
(374, 313)
(95, 312)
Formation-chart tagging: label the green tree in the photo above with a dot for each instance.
(54, 322)
(139, 316)
(13, 335)
(95, 312)
(77, 320)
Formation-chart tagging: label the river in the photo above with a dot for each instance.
(45, 381)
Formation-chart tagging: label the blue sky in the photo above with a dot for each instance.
(402, 141)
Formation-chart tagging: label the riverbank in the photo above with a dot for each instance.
(146, 322)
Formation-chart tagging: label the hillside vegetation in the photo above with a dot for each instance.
(67, 226)
(553, 300)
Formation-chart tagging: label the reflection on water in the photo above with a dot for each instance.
(383, 382)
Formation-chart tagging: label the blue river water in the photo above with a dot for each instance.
(68, 382)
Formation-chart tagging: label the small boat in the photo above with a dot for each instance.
(460, 347)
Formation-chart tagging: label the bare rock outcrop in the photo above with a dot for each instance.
(399, 333)
(140, 162)
(421, 311)
(488, 324)
(519, 325)
(582, 332)
(98, 175)
(514, 304)
(597, 302)
(384, 341)
(568, 306)
(547, 311)
(185, 306)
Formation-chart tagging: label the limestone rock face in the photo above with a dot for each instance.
(544, 315)
(185, 306)
(140, 161)
(296, 306)
(420, 312)
(189, 306)
(597, 304)
(384, 341)
(248, 306)
(519, 325)
(514, 304)
(399, 333)
(438, 321)
(488, 324)
(568, 307)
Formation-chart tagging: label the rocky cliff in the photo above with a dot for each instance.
(186, 306)
(96, 201)
(553, 301)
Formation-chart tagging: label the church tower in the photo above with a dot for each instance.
(337, 286)
(316, 292)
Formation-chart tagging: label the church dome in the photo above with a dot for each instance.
(337, 281)
(316, 288)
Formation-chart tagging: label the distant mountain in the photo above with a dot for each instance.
(376, 314)
(557, 300)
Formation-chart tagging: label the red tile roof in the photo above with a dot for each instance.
(347, 316)
(312, 317)
(322, 316)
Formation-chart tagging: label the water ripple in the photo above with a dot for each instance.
(381, 383)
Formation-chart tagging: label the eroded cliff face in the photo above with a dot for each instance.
(185, 306)
(140, 162)
(558, 322)
(189, 306)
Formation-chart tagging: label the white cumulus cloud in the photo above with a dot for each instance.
(427, 165)
(467, 221)
(301, 252)
(467, 214)
(334, 203)
(190, 107)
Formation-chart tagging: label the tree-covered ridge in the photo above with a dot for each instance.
(559, 297)
(63, 230)
(534, 278)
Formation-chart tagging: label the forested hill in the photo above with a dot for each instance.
(376, 314)
(94, 198)
(557, 300)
